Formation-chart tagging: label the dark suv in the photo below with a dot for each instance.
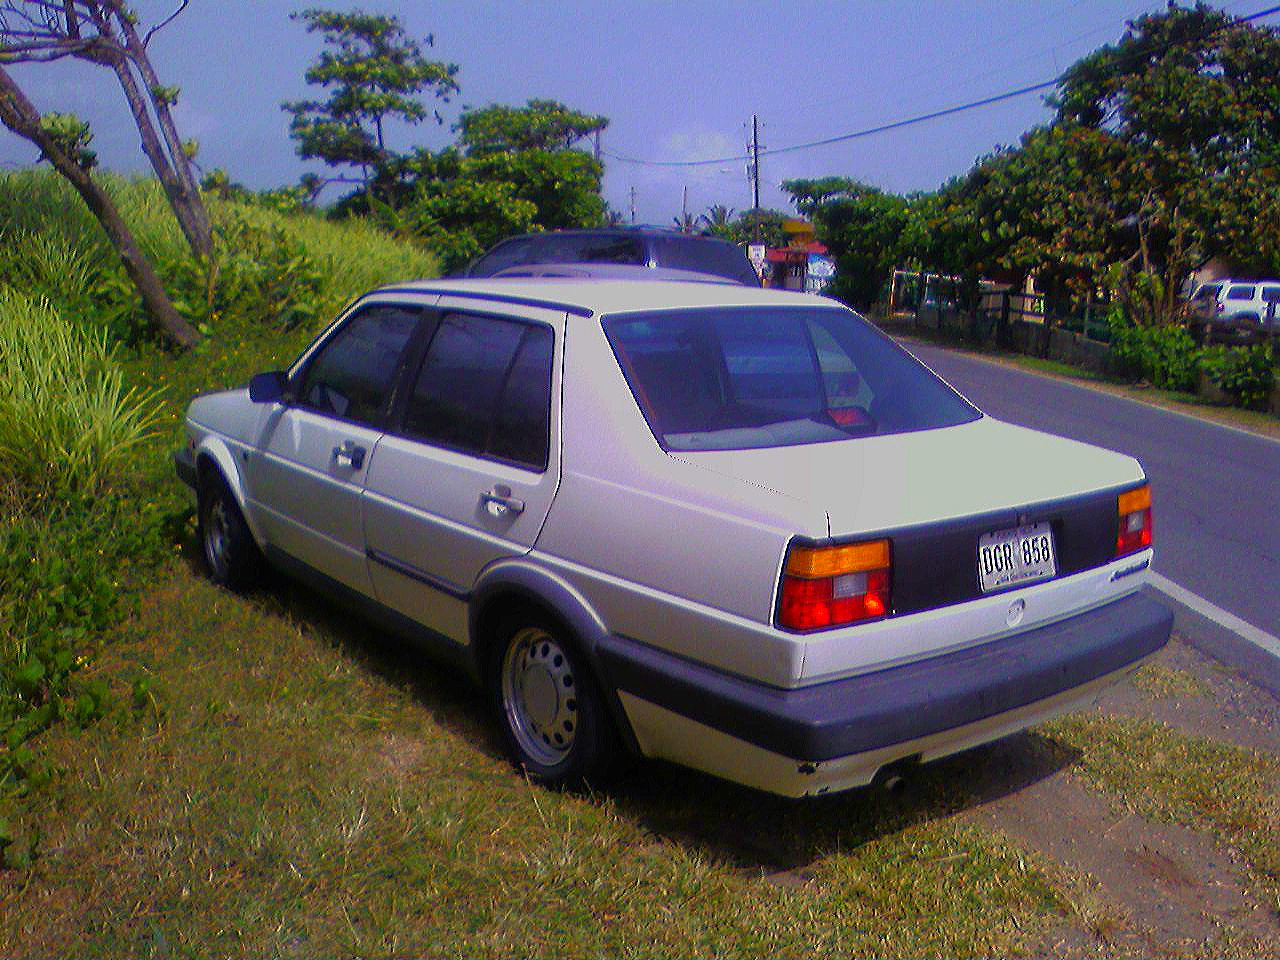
(614, 252)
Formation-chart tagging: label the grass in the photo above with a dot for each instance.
(67, 420)
(1159, 681)
(304, 788)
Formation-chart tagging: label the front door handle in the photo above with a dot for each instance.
(500, 502)
(350, 453)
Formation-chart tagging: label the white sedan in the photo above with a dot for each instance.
(736, 528)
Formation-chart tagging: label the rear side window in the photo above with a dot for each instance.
(484, 388)
(350, 376)
(764, 377)
(704, 256)
(1271, 294)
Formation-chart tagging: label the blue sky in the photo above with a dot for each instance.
(678, 80)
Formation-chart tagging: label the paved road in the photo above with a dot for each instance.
(1216, 491)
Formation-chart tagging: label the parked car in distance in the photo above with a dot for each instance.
(739, 529)
(1236, 309)
(678, 255)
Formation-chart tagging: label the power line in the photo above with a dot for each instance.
(885, 127)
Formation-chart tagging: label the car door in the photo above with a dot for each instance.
(313, 453)
(467, 473)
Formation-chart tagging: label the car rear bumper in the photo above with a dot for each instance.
(851, 727)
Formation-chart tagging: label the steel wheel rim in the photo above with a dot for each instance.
(539, 696)
(217, 533)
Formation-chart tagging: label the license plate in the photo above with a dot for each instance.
(1017, 555)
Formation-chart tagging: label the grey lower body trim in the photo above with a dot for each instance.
(421, 576)
(902, 703)
(435, 644)
(186, 467)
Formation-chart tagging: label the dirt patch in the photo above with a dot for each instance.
(1176, 889)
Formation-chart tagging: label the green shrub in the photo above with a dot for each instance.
(1246, 374)
(1165, 356)
(67, 421)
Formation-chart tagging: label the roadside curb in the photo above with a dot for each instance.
(1224, 645)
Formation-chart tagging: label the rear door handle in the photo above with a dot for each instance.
(350, 453)
(499, 501)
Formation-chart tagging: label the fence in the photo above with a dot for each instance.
(988, 313)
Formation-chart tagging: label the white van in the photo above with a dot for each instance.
(1238, 303)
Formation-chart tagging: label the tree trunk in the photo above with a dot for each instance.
(19, 115)
(177, 155)
(195, 227)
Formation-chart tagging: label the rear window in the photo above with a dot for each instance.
(704, 256)
(743, 378)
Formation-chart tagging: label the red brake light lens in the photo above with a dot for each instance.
(1133, 511)
(825, 587)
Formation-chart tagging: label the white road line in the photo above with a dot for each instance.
(1258, 637)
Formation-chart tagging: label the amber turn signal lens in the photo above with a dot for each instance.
(1134, 500)
(815, 562)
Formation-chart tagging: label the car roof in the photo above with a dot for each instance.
(597, 296)
(622, 231)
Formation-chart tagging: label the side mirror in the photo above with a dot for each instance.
(270, 387)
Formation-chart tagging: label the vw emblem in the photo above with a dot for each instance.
(1016, 610)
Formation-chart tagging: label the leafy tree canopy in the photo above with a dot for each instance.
(539, 125)
(374, 73)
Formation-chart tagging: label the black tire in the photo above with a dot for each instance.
(548, 706)
(230, 555)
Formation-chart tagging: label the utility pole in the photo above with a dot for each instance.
(755, 178)
(633, 206)
(684, 206)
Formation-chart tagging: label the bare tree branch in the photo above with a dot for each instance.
(164, 23)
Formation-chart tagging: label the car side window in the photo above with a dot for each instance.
(350, 376)
(484, 388)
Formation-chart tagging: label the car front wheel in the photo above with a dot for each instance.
(548, 706)
(230, 555)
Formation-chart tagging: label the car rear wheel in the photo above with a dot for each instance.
(230, 555)
(548, 706)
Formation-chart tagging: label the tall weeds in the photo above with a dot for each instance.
(67, 421)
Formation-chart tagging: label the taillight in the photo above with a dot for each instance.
(832, 586)
(1134, 511)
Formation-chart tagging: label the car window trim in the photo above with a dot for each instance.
(395, 425)
(298, 375)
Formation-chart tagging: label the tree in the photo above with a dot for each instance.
(1191, 99)
(862, 226)
(546, 125)
(64, 142)
(719, 220)
(105, 32)
(374, 74)
(513, 171)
